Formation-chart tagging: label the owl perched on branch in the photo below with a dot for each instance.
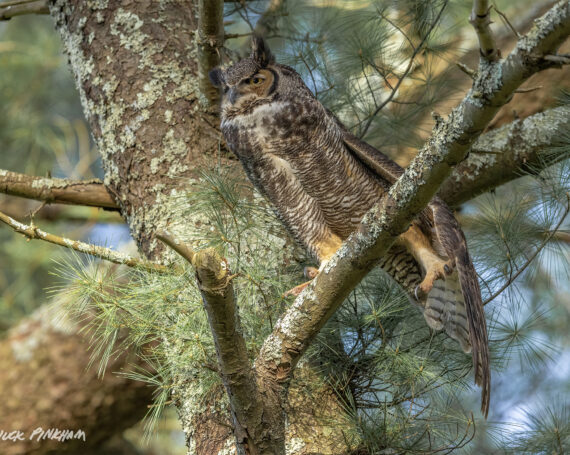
(321, 180)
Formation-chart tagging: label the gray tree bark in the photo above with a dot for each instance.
(135, 65)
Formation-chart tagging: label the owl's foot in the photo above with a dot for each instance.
(310, 273)
(436, 268)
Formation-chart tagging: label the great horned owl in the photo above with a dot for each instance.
(321, 180)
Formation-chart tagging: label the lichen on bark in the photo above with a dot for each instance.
(134, 65)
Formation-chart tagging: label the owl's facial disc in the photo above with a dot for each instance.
(259, 85)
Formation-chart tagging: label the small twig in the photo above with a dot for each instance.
(36, 210)
(505, 18)
(381, 73)
(228, 36)
(267, 22)
(528, 90)
(480, 19)
(181, 248)
(404, 34)
(563, 59)
(305, 39)
(34, 233)
(242, 11)
(469, 71)
(367, 81)
(534, 255)
(464, 440)
(310, 73)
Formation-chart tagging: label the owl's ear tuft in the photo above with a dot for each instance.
(216, 77)
(260, 52)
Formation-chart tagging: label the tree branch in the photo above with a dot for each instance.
(258, 421)
(91, 193)
(32, 232)
(502, 155)
(247, 406)
(8, 10)
(447, 146)
(181, 248)
(481, 21)
(210, 39)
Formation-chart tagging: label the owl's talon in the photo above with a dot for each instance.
(417, 291)
(438, 270)
(427, 284)
(310, 272)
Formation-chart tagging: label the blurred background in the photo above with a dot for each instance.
(331, 44)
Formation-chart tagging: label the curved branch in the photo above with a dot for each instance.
(502, 155)
(256, 412)
(181, 248)
(249, 411)
(91, 193)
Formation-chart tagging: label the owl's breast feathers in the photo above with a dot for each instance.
(291, 149)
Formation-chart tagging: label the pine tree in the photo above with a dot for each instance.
(375, 379)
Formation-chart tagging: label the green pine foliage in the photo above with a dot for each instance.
(164, 312)
(404, 387)
(401, 383)
(547, 430)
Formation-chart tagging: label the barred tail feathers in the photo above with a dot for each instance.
(477, 326)
(453, 242)
(445, 309)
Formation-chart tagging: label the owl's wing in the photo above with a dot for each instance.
(443, 308)
(374, 159)
(452, 239)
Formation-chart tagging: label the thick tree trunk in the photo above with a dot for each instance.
(136, 71)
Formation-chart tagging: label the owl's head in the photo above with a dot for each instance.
(251, 78)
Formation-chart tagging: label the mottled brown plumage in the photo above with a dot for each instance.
(321, 180)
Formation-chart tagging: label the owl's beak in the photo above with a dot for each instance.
(233, 95)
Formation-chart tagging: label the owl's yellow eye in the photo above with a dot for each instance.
(256, 80)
